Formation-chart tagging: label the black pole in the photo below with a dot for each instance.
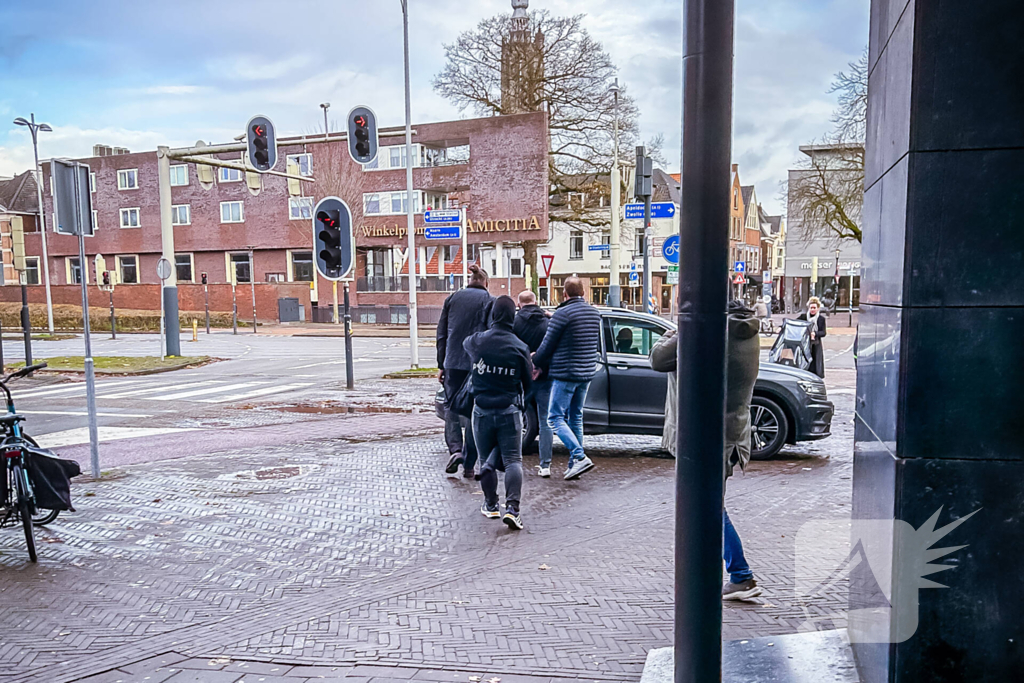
(113, 321)
(234, 311)
(206, 291)
(647, 255)
(26, 324)
(1, 349)
(703, 294)
(349, 370)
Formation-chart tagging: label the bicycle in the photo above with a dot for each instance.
(18, 500)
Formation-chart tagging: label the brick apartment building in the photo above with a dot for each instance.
(260, 227)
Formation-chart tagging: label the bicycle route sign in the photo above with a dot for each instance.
(670, 249)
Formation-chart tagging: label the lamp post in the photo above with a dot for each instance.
(325, 106)
(35, 128)
(614, 292)
(414, 353)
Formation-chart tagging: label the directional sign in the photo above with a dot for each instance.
(546, 261)
(599, 247)
(442, 216)
(634, 275)
(673, 277)
(739, 267)
(670, 249)
(443, 232)
(658, 210)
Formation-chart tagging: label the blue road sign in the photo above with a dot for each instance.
(739, 267)
(599, 247)
(658, 210)
(442, 216)
(443, 232)
(670, 249)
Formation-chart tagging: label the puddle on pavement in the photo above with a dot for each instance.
(271, 473)
(335, 409)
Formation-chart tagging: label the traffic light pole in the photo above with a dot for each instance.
(647, 254)
(349, 369)
(26, 322)
(169, 293)
(113, 325)
(206, 294)
(414, 352)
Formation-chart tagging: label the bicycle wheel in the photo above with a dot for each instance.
(25, 511)
(42, 516)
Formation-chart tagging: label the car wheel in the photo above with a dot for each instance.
(768, 428)
(530, 428)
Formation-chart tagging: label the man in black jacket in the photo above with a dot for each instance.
(502, 374)
(569, 354)
(530, 326)
(464, 313)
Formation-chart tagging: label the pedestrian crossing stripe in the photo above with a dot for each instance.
(258, 392)
(206, 391)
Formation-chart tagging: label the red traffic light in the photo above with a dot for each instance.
(259, 130)
(328, 220)
(360, 120)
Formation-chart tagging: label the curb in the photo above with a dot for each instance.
(132, 373)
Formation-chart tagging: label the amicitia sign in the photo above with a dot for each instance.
(398, 230)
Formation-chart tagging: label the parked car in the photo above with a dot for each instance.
(628, 397)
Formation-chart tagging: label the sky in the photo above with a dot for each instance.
(141, 74)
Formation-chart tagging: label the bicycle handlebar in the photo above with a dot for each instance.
(24, 371)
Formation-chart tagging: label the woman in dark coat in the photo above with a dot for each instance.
(818, 332)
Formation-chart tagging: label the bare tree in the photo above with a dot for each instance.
(826, 191)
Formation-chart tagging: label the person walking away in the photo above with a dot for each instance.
(819, 330)
(464, 313)
(502, 375)
(530, 326)
(742, 359)
(569, 354)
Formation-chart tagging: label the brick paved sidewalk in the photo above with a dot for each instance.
(346, 555)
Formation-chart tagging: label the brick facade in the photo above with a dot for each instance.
(503, 185)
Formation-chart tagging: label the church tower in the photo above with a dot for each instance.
(522, 64)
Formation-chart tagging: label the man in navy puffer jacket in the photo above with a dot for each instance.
(569, 353)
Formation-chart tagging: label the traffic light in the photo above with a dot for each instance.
(205, 281)
(262, 143)
(106, 278)
(18, 242)
(362, 135)
(332, 238)
(644, 171)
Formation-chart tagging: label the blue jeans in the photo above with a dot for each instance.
(732, 552)
(565, 415)
(499, 433)
(542, 396)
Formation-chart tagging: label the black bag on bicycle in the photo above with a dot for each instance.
(50, 477)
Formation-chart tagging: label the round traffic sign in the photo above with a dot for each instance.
(163, 269)
(670, 249)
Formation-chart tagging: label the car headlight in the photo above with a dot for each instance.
(814, 389)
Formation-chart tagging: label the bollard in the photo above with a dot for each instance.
(195, 330)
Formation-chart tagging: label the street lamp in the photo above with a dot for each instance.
(614, 289)
(325, 106)
(414, 355)
(35, 128)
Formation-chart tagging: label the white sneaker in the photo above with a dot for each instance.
(543, 471)
(577, 468)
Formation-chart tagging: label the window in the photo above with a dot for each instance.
(371, 204)
(607, 253)
(231, 212)
(229, 175)
(74, 271)
(243, 270)
(302, 266)
(516, 267)
(95, 220)
(181, 214)
(303, 161)
(130, 218)
(399, 205)
(300, 207)
(435, 201)
(92, 182)
(128, 179)
(631, 336)
(389, 203)
(31, 270)
(576, 245)
(450, 252)
(275, 277)
(183, 267)
(128, 269)
(179, 175)
(397, 156)
(472, 252)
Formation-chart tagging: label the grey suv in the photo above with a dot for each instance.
(628, 397)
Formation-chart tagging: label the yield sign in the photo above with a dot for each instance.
(546, 261)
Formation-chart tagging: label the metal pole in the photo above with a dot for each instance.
(169, 290)
(851, 298)
(234, 309)
(163, 337)
(614, 289)
(703, 291)
(465, 248)
(349, 369)
(337, 318)
(90, 373)
(647, 254)
(1, 348)
(414, 352)
(252, 286)
(26, 322)
(42, 228)
(113, 325)
(206, 293)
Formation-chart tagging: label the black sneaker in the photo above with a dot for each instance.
(469, 474)
(745, 590)
(512, 518)
(453, 463)
(489, 511)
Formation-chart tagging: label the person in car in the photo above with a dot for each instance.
(624, 342)
(502, 374)
(819, 329)
(464, 313)
(570, 353)
(530, 326)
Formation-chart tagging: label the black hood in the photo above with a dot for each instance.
(503, 313)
